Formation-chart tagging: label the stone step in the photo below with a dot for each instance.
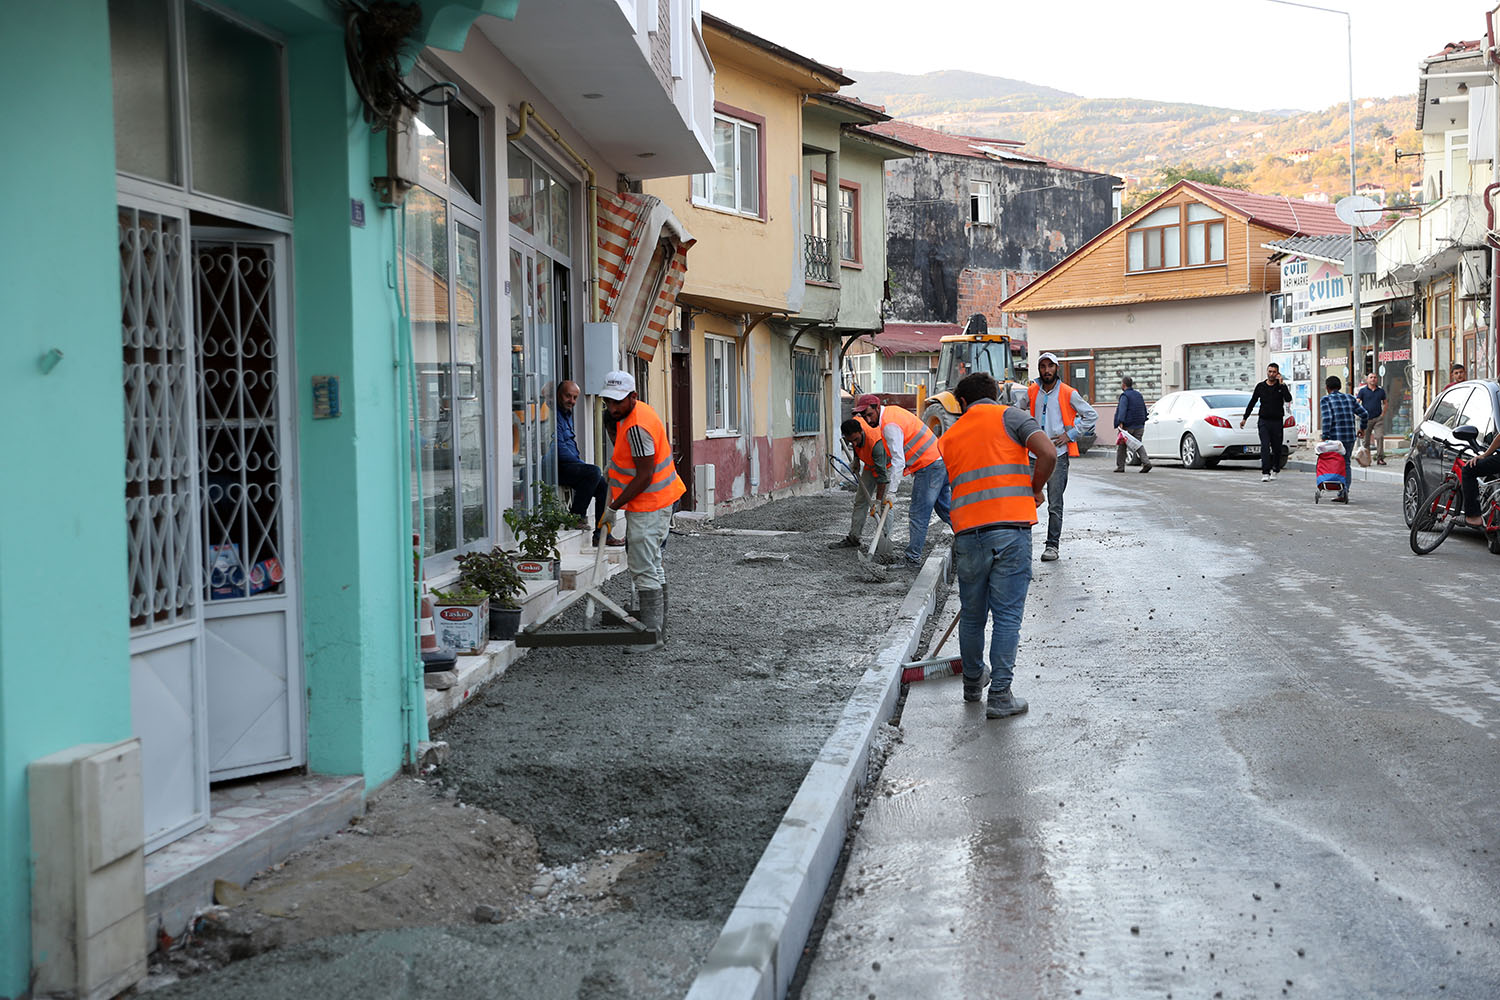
(540, 596)
(578, 571)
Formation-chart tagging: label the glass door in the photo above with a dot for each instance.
(533, 336)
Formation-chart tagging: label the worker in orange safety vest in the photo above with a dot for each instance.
(1066, 417)
(996, 491)
(643, 482)
(872, 472)
(914, 453)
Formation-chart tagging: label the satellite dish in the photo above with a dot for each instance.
(1358, 210)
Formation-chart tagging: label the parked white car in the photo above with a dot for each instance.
(1202, 427)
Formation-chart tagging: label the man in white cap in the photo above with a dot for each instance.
(643, 482)
(1066, 416)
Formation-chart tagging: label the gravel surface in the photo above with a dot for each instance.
(651, 783)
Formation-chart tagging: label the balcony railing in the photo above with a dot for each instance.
(818, 265)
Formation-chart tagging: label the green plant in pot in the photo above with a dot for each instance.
(495, 574)
(536, 532)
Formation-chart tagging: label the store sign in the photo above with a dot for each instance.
(1327, 288)
(1294, 274)
(1334, 361)
(1385, 356)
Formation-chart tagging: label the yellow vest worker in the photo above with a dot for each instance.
(987, 454)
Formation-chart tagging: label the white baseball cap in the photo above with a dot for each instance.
(1048, 356)
(617, 385)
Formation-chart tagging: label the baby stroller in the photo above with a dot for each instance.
(1330, 470)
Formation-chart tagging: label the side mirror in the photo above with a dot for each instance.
(1467, 432)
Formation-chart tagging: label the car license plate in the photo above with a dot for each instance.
(1252, 449)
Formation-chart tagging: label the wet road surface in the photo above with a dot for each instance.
(1260, 761)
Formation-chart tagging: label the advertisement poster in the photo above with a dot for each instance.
(1296, 368)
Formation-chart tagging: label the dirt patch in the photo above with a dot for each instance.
(631, 794)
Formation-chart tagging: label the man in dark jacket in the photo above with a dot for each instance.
(1272, 395)
(1130, 417)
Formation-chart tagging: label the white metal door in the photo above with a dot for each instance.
(167, 685)
(252, 623)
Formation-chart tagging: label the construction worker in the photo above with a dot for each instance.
(1066, 416)
(914, 452)
(643, 482)
(997, 488)
(872, 470)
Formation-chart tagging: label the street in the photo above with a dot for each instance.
(1260, 760)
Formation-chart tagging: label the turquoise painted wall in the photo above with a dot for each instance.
(62, 519)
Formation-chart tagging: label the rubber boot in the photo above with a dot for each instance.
(651, 617)
(661, 628)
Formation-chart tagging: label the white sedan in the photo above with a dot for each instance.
(1202, 427)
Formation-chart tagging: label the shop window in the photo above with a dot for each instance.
(807, 388)
(723, 388)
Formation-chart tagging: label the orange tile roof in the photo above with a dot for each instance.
(934, 141)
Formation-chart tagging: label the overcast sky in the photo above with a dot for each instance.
(1244, 54)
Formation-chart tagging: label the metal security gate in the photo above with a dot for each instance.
(1221, 366)
(215, 646)
(256, 719)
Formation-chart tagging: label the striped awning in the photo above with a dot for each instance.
(642, 265)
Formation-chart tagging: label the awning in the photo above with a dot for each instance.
(642, 265)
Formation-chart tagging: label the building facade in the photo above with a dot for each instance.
(282, 338)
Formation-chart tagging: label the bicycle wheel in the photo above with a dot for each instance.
(1435, 519)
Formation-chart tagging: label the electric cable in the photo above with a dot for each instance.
(376, 34)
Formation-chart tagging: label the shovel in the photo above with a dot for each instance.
(867, 558)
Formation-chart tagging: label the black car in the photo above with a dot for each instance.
(1433, 446)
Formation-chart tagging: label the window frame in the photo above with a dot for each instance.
(856, 235)
(740, 118)
(806, 357)
(730, 388)
(1157, 235)
(981, 203)
(889, 367)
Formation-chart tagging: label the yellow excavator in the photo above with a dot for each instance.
(975, 349)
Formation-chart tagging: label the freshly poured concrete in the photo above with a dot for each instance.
(1260, 760)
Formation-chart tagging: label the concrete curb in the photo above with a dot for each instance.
(761, 943)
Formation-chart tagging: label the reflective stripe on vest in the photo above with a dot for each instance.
(989, 472)
(1064, 406)
(665, 486)
(918, 443)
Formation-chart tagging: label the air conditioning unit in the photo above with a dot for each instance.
(1473, 274)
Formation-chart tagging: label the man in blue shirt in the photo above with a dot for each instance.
(1338, 412)
(585, 480)
(1372, 397)
(1130, 417)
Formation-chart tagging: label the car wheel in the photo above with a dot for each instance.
(1411, 496)
(1192, 456)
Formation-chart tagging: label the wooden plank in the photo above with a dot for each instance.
(587, 637)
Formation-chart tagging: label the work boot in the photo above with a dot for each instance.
(847, 542)
(1146, 468)
(651, 617)
(661, 630)
(1049, 554)
(973, 689)
(1003, 704)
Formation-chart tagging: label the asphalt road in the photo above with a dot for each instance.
(1260, 761)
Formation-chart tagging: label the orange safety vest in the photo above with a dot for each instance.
(918, 442)
(665, 486)
(866, 452)
(1065, 403)
(989, 472)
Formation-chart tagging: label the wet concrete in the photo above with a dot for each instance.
(1261, 760)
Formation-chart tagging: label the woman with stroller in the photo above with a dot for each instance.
(1337, 413)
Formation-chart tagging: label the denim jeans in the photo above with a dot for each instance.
(587, 482)
(930, 492)
(994, 573)
(1056, 487)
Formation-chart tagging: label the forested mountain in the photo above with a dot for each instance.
(1295, 153)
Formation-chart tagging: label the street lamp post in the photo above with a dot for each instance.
(1354, 277)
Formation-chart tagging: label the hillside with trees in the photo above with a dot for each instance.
(1293, 153)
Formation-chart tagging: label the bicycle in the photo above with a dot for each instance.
(1442, 510)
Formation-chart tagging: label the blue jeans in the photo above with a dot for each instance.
(930, 492)
(1056, 487)
(994, 573)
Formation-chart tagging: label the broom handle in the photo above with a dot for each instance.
(939, 645)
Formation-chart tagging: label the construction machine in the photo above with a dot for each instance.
(975, 349)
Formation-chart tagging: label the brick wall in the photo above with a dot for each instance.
(661, 44)
(981, 290)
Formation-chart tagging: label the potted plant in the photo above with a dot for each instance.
(536, 532)
(461, 616)
(495, 573)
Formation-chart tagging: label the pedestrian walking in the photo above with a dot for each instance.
(998, 459)
(1066, 416)
(872, 471)
(1130, 417)
(1271, 395)
(913, 452)
(1338, 413)
(643, 482)
(1372, 397)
